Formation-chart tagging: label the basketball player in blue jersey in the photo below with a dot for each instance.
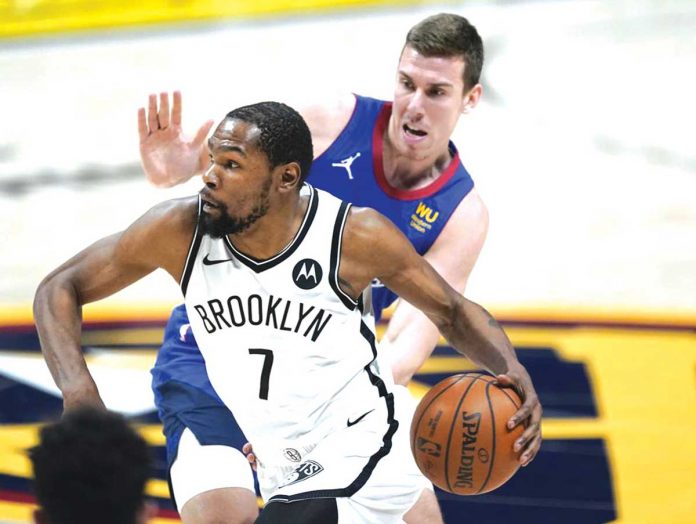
(276, 277)
(395, 157)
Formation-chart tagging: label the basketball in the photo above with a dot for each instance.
(459, 436)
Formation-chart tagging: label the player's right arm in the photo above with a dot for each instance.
(157, 239)
(468, 327)
(169, 157)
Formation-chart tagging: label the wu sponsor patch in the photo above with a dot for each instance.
(423, 217)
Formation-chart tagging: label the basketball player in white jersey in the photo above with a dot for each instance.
(275, 276)
(437, 81)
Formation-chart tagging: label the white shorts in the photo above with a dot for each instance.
(371, 484)
(198, 469)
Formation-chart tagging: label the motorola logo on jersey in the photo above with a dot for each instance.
(307, 274)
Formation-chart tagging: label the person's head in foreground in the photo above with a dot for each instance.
(90, 467)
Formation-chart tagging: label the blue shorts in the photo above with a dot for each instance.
(182, 406)
(183, 394)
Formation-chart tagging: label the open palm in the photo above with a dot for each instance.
(168, 156)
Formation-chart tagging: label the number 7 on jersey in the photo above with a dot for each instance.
(265, 371)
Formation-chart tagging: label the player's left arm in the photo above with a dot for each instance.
(410, 336)
(468, 327)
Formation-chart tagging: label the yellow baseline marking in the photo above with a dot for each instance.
(644, 385)
(157, 488)
(122, 336)
(15, 440)
(446, 365)
(44, 16)
(16, 511)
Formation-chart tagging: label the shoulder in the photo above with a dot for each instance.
(161, 237)
(165, 223)
(467, 224)
(175, 214)
(369, 232)
(471, 210)
(326, 120)
(457, 247)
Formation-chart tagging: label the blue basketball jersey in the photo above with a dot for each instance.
(352, 170)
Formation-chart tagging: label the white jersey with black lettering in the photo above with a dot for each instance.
(291, 354)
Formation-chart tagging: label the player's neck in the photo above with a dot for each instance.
(272, 233)
(410, 172)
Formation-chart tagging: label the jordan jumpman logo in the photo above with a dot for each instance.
(347, 162)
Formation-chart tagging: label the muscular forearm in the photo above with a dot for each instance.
(476, 334)
(58, 317)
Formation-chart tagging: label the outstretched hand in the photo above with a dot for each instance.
(529, 414)
(168, 156)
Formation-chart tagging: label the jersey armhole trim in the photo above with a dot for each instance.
(193, 250)
(336, 242)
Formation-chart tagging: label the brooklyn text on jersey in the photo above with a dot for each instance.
(255, 310)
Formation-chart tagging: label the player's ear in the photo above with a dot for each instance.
(290, 175)
(471, 98)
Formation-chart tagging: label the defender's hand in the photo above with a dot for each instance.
(528, 415)
(167, 155)
(248, 451)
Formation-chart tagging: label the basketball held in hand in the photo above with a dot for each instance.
(459, 434)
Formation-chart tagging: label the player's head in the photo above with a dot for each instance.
(89, 467)
(437, 80)
(257, 151)
(447, 35)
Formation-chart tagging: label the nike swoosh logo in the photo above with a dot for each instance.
(208, 262)
(354, 422)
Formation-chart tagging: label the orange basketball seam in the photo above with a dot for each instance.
(511, 399)
(493, 431)
(474, 378)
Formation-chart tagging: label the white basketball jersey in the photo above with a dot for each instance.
(289, 353)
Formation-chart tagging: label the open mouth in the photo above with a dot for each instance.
(208, 204)
(414, 132)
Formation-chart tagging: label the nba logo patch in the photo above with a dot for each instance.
(429, 447)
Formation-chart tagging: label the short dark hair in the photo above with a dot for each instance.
(90, 466)
(448, 35)
(284, 137)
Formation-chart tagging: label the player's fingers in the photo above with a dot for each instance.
(508, 381)
(142, 124)
(246, 448)
(202, 133)
(522, 414)
(163, 115)
(152, 113)
(527, 436)
(176, 108)
(531, 451)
